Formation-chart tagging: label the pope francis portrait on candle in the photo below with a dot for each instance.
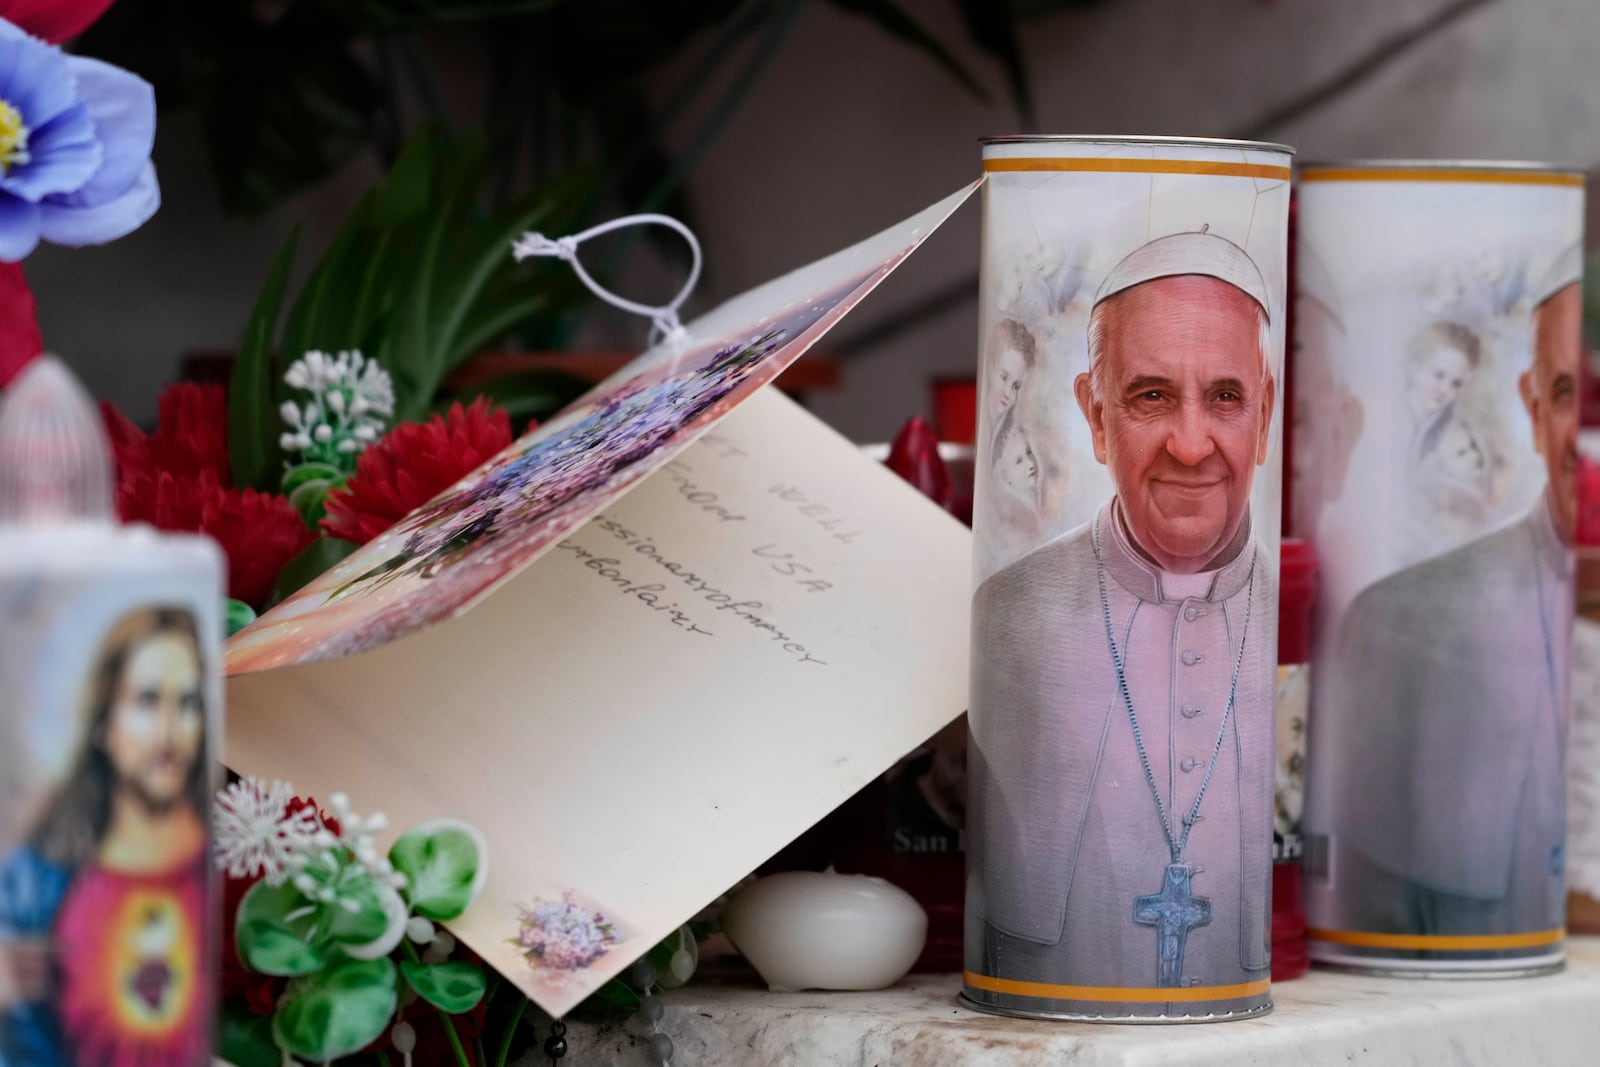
(1124, 673)
(1452, 678)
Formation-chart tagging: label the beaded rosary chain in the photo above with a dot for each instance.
(658, 1044)
(555, 1046)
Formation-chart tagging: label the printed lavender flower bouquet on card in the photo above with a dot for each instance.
(563, 933)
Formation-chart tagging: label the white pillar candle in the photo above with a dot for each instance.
(822, 930)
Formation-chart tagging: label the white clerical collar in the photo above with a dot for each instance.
(1148, 582)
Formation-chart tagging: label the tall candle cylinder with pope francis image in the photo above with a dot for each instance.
(1437, 367)
(1124, 656)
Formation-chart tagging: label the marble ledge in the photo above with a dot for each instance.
(1324, 1018)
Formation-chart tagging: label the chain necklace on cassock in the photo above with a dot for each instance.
(1175, 910)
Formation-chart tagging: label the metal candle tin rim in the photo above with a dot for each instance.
(1510, 166)
(1133, 139)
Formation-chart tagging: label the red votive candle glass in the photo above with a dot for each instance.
(1297, 592)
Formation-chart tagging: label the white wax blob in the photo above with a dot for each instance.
(811, 930)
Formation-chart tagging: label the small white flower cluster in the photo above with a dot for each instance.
(355, 834)
(352, 398)
(256, 837)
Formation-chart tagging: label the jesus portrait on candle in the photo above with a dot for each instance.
(104, 959)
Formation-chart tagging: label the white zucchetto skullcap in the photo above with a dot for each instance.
(1195, 252)
(1566, 270)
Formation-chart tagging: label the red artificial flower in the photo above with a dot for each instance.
(53, 20)
(299, 804)
(177, 479)
(192, 431)
(914, 456)
(19, 326)
(258, 532)
(258, 993)
(191, 436)
(412, 464)
(1588, 501)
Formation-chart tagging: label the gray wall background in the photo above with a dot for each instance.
(848, 131)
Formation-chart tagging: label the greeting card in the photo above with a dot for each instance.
(699, 620)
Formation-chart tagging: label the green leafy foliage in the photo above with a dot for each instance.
(344, 74)
(281, 931)
(272, 948)
(450, 987)
(332, 926)
(615, 993)
(444, 862)
(527, 395)
(263, 922)
(418, 277)
(374, 927)
(677, 946)
(311, 562)
(237, 615)
(252, 392)
(307, 486)
(992, 25)
(337, 1011)
(245, 1040)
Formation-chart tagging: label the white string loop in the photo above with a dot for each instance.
(665, 325)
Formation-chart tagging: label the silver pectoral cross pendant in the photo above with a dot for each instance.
(1173, 912)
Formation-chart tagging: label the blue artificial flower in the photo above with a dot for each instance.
(75, 138)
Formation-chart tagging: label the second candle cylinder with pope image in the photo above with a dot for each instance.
(1439, 355)
(1129, 473)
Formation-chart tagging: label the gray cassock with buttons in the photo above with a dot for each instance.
(1066, 833)
(1449, 689)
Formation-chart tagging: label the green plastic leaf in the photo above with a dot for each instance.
(245, 1040)
(674, 958)
(307, 486)
(330, 282)
(375, 929)
(895, 21)
(236, 614)
(404, 193)
(368, 921)
(492, 321)
(269, 948)
(445, 863)
(309, 564)
(450, 987)
(373, 291)
(339, 1011)
(417, 361)
(490, 255)
(253, 420)
(618, 992)
(270, 903)
(263, 930)
(993, 26)
(535, 394)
